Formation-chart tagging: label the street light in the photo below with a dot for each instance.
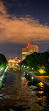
(24, 66)
(32, 77)
(41, 71)
(27, 74)
(32, 68)
(27, 67)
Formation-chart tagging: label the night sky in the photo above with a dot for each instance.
(23, 21)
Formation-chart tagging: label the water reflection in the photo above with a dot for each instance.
(26, 88)
(45, 78)
(40, 92)
(18, 96)
(41, 85)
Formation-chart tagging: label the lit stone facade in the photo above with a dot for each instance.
(13, 62)
(29, 50)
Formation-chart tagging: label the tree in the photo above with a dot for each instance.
(3, 60)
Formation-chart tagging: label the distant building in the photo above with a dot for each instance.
(13, 62)
(29, 50)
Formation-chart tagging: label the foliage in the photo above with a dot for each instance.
(37, 60)
(3, 60)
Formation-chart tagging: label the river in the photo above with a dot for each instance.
(16, 95)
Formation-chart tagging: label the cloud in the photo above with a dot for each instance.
(21, 30)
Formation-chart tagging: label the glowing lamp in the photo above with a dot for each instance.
(27, 67)
(32, 77)
(27, 74)
(32, 68)
(41, 71)
(41, 84)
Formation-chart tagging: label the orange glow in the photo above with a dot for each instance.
(21, 30)
(15, 59)
(13, 63)
(26, 83)
(29, 44)
(40, 92)
(10, 58)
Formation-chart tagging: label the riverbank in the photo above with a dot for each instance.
(3, 75)
(44, 79)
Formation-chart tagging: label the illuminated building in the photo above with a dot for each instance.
(13, 62)
(29, 50)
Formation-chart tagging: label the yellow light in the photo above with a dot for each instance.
(27, 74)
(41, 71)
(41, 84)
(27, 67)
(40, 92)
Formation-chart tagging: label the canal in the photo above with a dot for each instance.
(17, 94)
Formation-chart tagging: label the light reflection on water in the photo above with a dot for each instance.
(17, 95)
(40, 92)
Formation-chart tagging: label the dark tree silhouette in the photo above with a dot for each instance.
(3, 59)
(36, 60)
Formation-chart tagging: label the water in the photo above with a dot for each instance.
(16, 95)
